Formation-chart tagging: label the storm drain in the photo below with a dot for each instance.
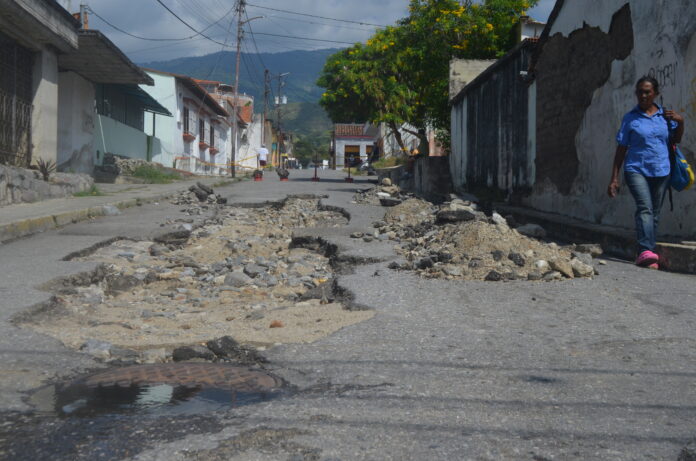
(161, 389)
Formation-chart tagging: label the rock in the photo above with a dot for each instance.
(253, 270)
(498, 220)
(517, 258)
(386, 182)
(425, 263)
(237, 279)
(383, 195)
(532, 230)
(534, 275)
(172, 237)
(357, 235)
(494, 276)
(580, 269)
(110, 210)
(453, 216)
(192, 352)
(158, 355)
(601, 262)
(97, 348)
(227, 348)
(389, 201)
(552, 275)
(157, 250)
(451, 269)
(541, 265)
(200, 194)
(497, 255)
(562, 266)
(120, 283)
(204, 188)
(586, 258)
(276, 324)
(593, 249)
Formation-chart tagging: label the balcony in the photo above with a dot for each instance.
(214, 151)
(189, 137)
(203, 145)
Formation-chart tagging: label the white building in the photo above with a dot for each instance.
(196, 139)
(352, 143)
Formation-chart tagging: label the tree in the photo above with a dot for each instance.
(401, 74)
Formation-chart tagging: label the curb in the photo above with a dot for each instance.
(30, 226)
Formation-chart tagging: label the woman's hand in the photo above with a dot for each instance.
(613, 188)
(671, 115)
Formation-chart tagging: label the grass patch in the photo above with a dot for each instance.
(153, 175)
(355, 172)
(91, 192)
(390, 162)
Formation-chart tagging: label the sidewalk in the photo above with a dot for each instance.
(25, 219)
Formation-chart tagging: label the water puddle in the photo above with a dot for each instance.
(159, 390)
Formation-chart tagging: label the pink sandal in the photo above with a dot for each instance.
(646, 258)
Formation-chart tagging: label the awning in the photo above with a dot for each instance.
(100, 61)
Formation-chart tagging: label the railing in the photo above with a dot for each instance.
(15, 130)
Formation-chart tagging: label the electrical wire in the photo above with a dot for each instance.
(189, 25)
(304, 38)
(315, 16)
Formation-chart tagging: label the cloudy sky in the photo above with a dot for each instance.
(150, 20)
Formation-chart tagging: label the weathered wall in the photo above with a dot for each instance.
(586, 74)
(431, 177)
(76, 152)
(116, 138)
(44, 118)
(20, 185)
(167, 129)
(490, 129)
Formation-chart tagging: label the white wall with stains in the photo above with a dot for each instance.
(664, 47)
(76, 121)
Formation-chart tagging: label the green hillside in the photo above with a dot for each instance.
(302, 115)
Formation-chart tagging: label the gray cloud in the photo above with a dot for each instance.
(147, 18)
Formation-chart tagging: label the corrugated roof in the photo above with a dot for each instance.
(348, 130)
(100, 61)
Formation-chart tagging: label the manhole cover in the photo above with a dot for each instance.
(173, 388)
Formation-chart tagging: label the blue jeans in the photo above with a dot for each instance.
(649, 193)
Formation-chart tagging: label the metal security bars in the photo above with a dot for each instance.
(15, 130)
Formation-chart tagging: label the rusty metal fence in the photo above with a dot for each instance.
(15, 130)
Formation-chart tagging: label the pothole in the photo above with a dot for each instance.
(159, 389)
(239, 275)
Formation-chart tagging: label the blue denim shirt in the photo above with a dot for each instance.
(646, 137)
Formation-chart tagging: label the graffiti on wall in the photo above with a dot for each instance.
(665, 75)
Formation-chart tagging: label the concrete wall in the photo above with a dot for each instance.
(120, 139)
(76, 118)
(44, 118)
(167, 129)
(248, 150)
(463, 71)
(585, 80)
(431, 178)
(341, 144)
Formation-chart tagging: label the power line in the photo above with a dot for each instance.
(304, 38)
(189, 25)
(154, 39)
(315, 16)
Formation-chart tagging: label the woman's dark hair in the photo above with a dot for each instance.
(650, 80)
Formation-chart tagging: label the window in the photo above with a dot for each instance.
(201, 129)
(212, 136)
(187, 129)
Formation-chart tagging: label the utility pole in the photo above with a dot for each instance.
(266, 91)
(240, 33)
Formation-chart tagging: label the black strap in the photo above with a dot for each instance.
(672, 159)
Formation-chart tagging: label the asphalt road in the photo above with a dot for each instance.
(577, 370)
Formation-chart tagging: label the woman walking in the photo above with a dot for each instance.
(642, 149)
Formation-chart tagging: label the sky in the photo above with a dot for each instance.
(149, 19)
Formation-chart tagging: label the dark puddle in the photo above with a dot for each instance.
(159, 390)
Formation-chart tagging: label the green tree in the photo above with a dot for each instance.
(401, 74)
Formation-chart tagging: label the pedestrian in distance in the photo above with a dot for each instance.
(644, 153)
(262, 156)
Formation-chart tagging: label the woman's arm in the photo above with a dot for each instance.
(618, 161)
(679, 132)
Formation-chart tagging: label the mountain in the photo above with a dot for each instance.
(304, 68)
(302, 115)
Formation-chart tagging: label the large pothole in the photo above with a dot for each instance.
(238, 277)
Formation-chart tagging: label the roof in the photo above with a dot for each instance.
(349, 130)
(100, 61)
(526, 43)
(198, 91)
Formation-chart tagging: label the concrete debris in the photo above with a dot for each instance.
(532, 230)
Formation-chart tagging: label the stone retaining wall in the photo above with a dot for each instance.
(20, 185)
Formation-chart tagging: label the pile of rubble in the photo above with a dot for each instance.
(198, 197)
(386, 194)
(239, 276)
(457, 241)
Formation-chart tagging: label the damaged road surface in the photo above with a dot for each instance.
(306, 321)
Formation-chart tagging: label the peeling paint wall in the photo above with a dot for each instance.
(588, 50)
(76, 121)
